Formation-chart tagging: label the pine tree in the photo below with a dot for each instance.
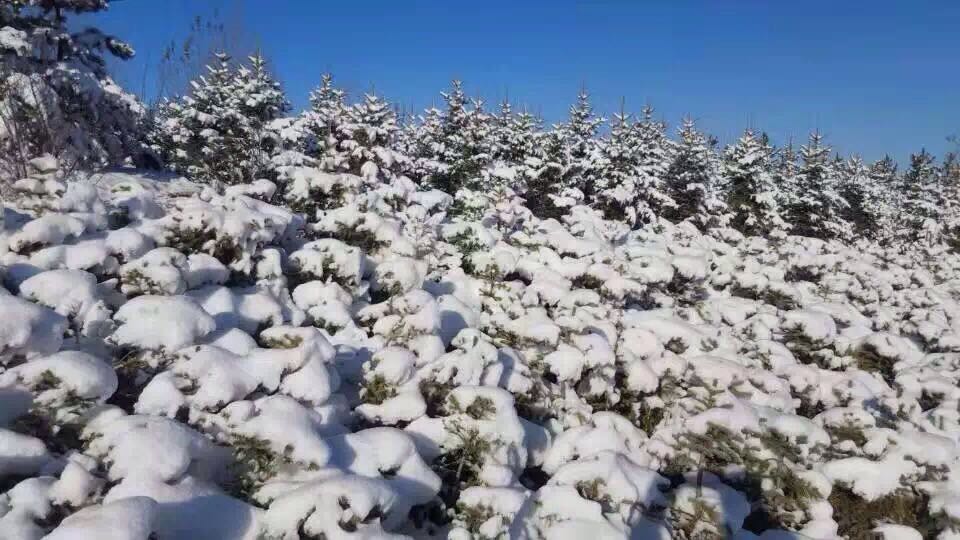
(503, 145)
(691, 178)
(456, 142)
(477, 185)
(55, 94)
(785, 174)
(884, 173)
(323, 122)
(751, 194)
(816, 206)
(863, 197)
(923, 201)
(368, 138)
(514, 135)
(260, 101)
(217, 133)
(514, 146)
(547, 180)
(950, 172)
(653, 154)
(580, 146)
(616, 190)
(193, 134)
(422, 141)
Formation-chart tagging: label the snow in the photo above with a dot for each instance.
(161, 323)
(28, 330)
(175, 448)
(126, 519)
(21, 454)
(78, 375)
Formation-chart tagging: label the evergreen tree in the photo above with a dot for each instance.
(884, 173)
(423, 143)
(514, 145)
(217, 132)
(456, 144)
(950, 172)
(514, 135)
(751, 194)
(368, 137)
(785, 174)
(473, 178)
(546, 182)
(616, 190)
(653, 155)
(55, 94)
(260, 101)
(691, 178)
(923, 201)
(862, 196)
(323, 122)
(884, 197)
(816, 206)
(580, 149)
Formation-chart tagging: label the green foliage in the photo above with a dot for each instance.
(435, 395)
(473, 517)
(869, 359)
(702, 523)
(460, 465)
(719, 449)
(376, 390)
(254, 463)
(479, 409)
(587, 281)
(280, 342)
(593, 491)
(857, 517)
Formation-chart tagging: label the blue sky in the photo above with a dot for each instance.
(876, 76)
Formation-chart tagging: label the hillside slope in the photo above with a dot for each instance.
(337, 358)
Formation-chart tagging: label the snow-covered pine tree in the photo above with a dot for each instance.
(691, 178)
(785, 174)
(514, 135)
(260, 100)
(950, 172)
(460, 147)
(323, 122)
(514, 145)
(189, 132)
(751, 194)
(368, 138)
(477, 185)
(217, 132)
(502, 147)
(923, 200)
(884, 173)
(55, 94)
(816, 206)
(653, 154)
(478, 149)
(616, 190)
(421, 139)
(547, 179)
(867, 209)
(580, 148)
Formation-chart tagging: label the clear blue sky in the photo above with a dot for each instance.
(875, 76)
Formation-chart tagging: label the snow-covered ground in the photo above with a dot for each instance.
(185, 364)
